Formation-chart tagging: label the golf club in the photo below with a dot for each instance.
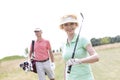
(69, 67)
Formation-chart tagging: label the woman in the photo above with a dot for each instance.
(84, 53)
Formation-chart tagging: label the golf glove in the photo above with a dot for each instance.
(52, 65)
(30, 68)
(71, 62)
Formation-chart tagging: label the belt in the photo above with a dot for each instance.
(43, 60)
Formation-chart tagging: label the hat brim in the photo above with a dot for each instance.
(68, 20)
(72, 21)
(37, 29)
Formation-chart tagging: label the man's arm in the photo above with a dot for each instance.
(52, 60)
(51, 55)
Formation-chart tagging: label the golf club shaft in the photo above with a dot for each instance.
(69, 67)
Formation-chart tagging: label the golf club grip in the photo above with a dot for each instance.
(69, 69)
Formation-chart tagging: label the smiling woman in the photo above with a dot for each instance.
(78, 52)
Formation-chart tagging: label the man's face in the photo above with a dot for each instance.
(38, 33)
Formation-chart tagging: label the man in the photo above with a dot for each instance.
(43, 56)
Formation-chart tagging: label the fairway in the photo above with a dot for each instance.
(108, 68)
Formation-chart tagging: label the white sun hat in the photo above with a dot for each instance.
(67, 19)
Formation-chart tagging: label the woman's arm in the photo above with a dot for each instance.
(90, 59)
(93, 55)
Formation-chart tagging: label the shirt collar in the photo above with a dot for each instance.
(40, 40)
(73, 40)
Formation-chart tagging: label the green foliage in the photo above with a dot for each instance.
(105, 40)
(117, 38)
(95, 42)
(26, 51)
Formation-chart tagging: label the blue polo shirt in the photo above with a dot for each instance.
(80, 71)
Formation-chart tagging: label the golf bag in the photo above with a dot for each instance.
(29, 65)
(33, 66)
(32, 60)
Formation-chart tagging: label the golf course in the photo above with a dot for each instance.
(108, 67)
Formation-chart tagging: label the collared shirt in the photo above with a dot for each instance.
(80, 71)
(41, 49)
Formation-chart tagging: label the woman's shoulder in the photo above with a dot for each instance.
(84, 41)
(83, 38)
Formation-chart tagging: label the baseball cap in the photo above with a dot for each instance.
(37, 29)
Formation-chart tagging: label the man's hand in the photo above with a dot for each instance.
(73, 62)
(52, 65)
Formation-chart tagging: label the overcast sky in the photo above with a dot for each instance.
(18, 18)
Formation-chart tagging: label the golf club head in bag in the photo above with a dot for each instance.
(28, 66)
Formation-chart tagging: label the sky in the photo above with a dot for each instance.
(19, 18)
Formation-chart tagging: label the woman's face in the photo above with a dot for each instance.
(69, 27)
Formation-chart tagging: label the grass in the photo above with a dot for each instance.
(11, 58)
(107, 68)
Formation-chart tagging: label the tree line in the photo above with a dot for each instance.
(105, 40)
(94, 41)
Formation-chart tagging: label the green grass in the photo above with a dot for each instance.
(12, 58)
(108, 68)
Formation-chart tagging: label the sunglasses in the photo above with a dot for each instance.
(36, 31)
(68, 24)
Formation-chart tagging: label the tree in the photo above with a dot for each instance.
(26, 51)
(105, 40)
(117, 38)
(95, 42)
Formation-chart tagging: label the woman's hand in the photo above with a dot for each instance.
(73, 62)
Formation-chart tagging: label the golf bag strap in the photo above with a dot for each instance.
(33, 42)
